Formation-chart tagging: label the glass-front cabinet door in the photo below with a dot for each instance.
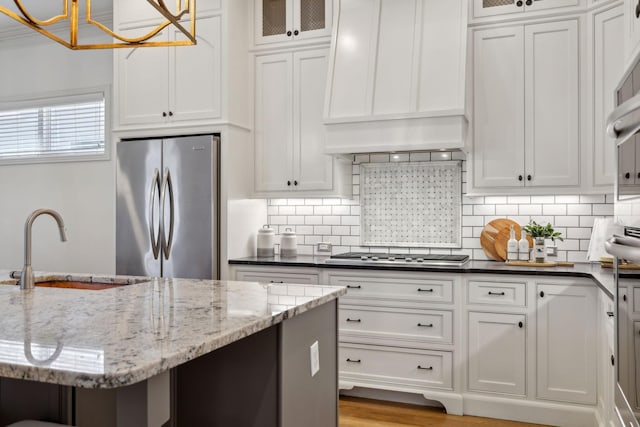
(499, 7)
(285, 20)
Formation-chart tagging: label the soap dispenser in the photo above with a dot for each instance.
(523, 247)
(512, 246)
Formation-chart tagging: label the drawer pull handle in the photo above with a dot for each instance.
(520, 325)
(425, 290)
(354, 287)
(273, 281)
(496, 293)
(354, 360)
(610, 313)
(354, 320)
(430, 368)
(425, 325)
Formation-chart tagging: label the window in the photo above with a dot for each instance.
(70, 127)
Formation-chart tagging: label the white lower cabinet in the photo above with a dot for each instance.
(526, 348)
(497, 353)
(566, 342)
(386, 367)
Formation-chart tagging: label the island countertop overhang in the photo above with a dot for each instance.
(116, 337)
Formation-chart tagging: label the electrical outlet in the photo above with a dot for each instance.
(314, 353)
(323, 247)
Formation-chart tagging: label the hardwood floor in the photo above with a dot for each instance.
(357, 412)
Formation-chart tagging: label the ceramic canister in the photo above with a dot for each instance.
(266, 237)
(288, 243)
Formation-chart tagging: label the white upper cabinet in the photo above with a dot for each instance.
(165, 85)
(608, 66)
(397, 76)
(289, 134)
(285, 20)
(482, 8)
(526, 106)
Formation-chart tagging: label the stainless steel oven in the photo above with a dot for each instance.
(623, 125)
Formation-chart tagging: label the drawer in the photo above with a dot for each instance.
(497, 293)
(371, 365)
(399, 327)
(403, 291)
(276, 277)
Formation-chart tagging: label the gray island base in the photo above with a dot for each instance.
(170, 353)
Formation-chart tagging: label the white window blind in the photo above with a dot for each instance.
(53, 127)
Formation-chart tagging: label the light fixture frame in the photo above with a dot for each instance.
(70, 12)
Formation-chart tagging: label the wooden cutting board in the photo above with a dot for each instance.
(489, 234)
(540, 264)
(502, 239)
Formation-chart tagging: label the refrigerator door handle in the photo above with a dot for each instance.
(167, 184)
(155, 241)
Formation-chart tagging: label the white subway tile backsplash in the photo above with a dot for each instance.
(338, 221)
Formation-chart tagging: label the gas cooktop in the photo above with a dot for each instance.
(409, 260)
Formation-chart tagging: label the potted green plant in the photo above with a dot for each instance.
(539, 233)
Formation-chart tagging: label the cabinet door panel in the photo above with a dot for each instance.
(273, 19)
(498, 153)
(608, 68)
(273, 123)
(312, 168)
(552, 104)
(495, 7)
(497, 353)
(312, 18)
(143, 74)
(197, 95)
(566, 343)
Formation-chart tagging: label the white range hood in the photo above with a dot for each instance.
(397, 76)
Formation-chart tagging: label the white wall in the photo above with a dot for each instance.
(83, 192)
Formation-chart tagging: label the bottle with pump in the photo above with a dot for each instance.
(512, 246)
(523, 247)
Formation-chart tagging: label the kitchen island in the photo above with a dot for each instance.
(199, 352)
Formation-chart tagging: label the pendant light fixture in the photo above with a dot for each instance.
(71, 10)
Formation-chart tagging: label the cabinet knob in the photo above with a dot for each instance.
(295, 183)
(638, 10)
(624, 298)
(627, 175)
(529, 2)
(289, 183)
(529, 177)
(520, 178)
(289, 33)
(164, 114)
(613, 360)
(519, 3)
(520, 325)
(541, 294)
(170, 113)
(296, 32)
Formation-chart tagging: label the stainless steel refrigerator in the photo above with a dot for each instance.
(167, 207)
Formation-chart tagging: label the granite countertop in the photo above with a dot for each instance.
(603, 277)
(115, 337)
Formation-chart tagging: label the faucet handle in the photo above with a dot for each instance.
(15, 274)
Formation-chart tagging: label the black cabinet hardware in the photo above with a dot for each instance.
(289, 33)
(610, 313)
(273, 281)
(295, 182)
(519, 3)
(529, 2)
(529, 177)
(638, 10)
(170, 113)
(624, 298)
(296, 32)
(496, 293)
(541, 294)
(354, 287)
(520, 178)
(613, 360)
(520, 325)
(425, 325)
(627, 175)
(354, 320)
(164, 114)
(425, 290)
(354, 360)
(289, 183)
(430, 368)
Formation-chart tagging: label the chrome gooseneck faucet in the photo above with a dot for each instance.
(26, 278)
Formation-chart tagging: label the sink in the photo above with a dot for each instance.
(69, 284)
